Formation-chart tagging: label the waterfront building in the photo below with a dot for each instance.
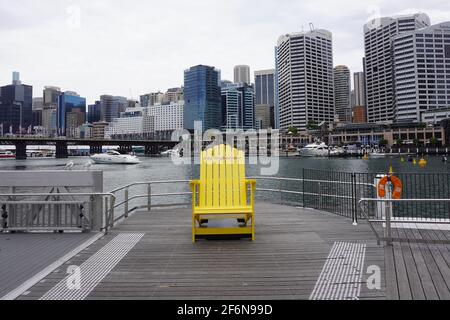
(151, 99)
(70, 105)
(50, 106)
(422, 72)
(202, 94)
(359, 114)
(16, 107)
(342, 93)
(84, 131)
(38, 106)
(379, 61)
(238, 106)
(305, 79)
(162, 119)
(129, 123)
(436, 116)
(111, 107)
(94, 112)
(174, 95)
(372, 134)
(98, 130)
(359, 84)
(265, 98)
(242, 74)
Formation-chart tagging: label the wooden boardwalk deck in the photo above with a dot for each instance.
(418, 271)
(285, 262)
(22, 256)
(298, 254)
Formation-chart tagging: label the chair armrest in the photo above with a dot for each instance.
(193, 184)
(252, 183)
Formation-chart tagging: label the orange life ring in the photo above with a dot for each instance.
(396, 182)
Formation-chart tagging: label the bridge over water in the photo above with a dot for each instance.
(152, 147)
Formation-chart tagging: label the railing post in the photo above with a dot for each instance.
(111, 213)
(354, 201)
(303, 188)
(281, 194)
(149, 197)
(106, 223)
(389, 211)
(127, 196)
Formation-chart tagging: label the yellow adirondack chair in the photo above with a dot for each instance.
(223, 193)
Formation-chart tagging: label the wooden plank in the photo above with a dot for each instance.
(404, 288)
(411, 269)
(391, 275)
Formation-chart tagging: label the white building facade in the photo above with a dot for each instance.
(378, 38)
(305, 79)
(422, 73)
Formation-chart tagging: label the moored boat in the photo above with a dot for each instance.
(114, 157)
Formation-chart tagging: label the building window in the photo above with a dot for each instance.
(447, 51)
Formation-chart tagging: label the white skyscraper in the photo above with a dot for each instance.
(379, 35)
(242, 74)
(342, 93)
(422, 72)
(305, 78)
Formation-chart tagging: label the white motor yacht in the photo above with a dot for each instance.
(114, 157)
(315, 150)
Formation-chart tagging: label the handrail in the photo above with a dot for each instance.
(388, 218)
(109, 213)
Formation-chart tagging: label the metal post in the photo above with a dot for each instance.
(388, 232)
(106, 224)
(281, 194)
(111, 213)
(126, 202)
(149, 197)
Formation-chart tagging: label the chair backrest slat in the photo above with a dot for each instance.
(222, 178)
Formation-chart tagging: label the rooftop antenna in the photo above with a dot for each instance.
(311, 26)
(303, 28)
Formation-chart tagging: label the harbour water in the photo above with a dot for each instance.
(161, 169)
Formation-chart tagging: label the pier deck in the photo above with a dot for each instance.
(298, 254)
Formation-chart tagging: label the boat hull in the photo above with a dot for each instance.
(114, 160)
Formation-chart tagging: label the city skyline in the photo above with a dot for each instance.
(96, 48)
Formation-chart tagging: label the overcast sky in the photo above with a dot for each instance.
(134, 47)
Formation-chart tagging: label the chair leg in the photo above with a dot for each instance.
(253, 227)
(193, 230)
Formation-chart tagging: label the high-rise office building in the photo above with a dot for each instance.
(422, 72)
(38, 106)
(49, 110)
(174, 95)
(71, 112)
(16, 107)
(342, 93)
(359, 83)
(305, 79)
(378, 37)
(202, 96)
(111, 107)
(242, 74)
(265, 98)
(151, 99)
(238, 106)
(94, 112)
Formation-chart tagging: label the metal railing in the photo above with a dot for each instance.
(387, 217)
(295, 196)
(54, 213)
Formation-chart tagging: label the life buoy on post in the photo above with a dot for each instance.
(396, 182)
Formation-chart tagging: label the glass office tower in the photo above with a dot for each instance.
(202, 95)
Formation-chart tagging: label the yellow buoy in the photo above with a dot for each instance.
(402, 159)
(422, 162)
(391, 170)
(414, 162)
